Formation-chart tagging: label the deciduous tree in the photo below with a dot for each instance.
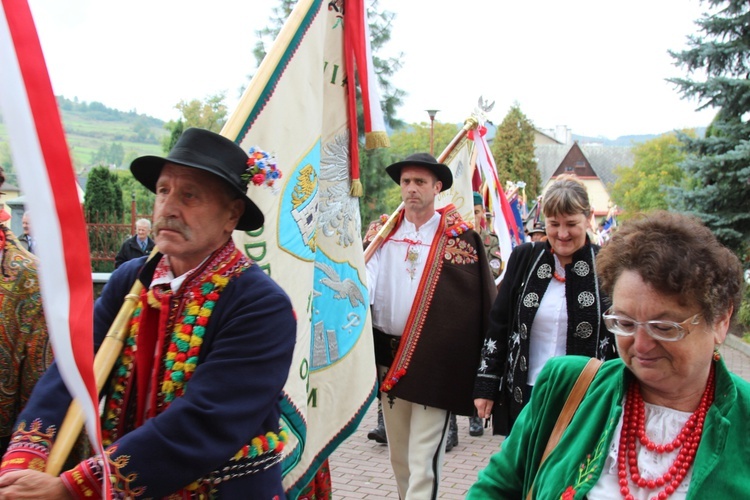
(643, 186)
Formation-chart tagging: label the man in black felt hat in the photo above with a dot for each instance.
(192, 405)
(431, 291)
(537, 232)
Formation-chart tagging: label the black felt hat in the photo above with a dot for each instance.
(427, 161)
(208, 151)
(538, 227)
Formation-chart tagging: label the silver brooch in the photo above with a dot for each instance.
(584, 330)
(531, 300)
(524, 331)
(586, 299)
(581, 268)
(544, 271)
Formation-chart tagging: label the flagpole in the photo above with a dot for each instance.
(104, 361)
(471, 123)
(236, 121)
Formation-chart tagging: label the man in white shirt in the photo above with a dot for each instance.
(431, 290)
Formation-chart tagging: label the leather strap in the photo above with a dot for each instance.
(571, 405)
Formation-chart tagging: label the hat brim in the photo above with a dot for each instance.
(147, 169)
(442, 172)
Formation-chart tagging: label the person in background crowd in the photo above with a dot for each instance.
(138, 245)
(25, 351)
(537, 232)
(430, 290)
(550, 304)
(26, 239)
(196, 390)
(667, 419)
(492, 248)
(489, 239)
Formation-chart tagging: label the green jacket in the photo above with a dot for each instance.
(492, 247)
(721, 468)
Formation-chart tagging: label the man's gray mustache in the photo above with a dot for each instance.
(172, 225)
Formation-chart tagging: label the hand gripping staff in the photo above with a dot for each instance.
(104, 361)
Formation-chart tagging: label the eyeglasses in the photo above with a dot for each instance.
(668, 331)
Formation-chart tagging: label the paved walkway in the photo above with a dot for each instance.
(360, 468)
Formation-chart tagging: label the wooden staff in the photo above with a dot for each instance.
(470, 124)
(104, 361)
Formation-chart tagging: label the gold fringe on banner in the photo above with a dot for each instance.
(377, 139)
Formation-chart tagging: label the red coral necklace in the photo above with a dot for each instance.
(559, 277)
(634, 429)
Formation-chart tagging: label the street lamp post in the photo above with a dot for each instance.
(432, 113)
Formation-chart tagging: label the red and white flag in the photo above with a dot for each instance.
(503, 220)
(45, 171)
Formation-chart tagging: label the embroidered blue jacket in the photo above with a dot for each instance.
(232, 397)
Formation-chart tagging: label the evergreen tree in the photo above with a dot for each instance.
(175, 131)
(720, 161)
(268, 33)
(642, 186)
(103, 199)
(144, 199)
(513, 150)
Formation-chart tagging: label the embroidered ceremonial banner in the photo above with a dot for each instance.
(502, 221)
(296, 109)
(46, 174)
(460, 193)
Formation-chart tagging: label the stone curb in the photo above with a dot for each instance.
(735, 343)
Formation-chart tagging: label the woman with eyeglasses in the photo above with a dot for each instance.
(549, 304)
(667, 419)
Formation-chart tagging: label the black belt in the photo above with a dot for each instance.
(386, 347)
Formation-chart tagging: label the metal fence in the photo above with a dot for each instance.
(106, 238)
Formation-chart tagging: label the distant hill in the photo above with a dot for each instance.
(624, 140)
(98, 135)
(627, 140)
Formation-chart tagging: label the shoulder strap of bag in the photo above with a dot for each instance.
(571, 405)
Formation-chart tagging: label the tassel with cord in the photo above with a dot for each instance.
(356, 190)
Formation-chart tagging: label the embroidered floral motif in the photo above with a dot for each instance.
(29, 449)
(120, 482)
(460, 252)
(568, 494)
(34, 436)
(589, 467)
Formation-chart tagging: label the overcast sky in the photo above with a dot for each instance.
(598, 67)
